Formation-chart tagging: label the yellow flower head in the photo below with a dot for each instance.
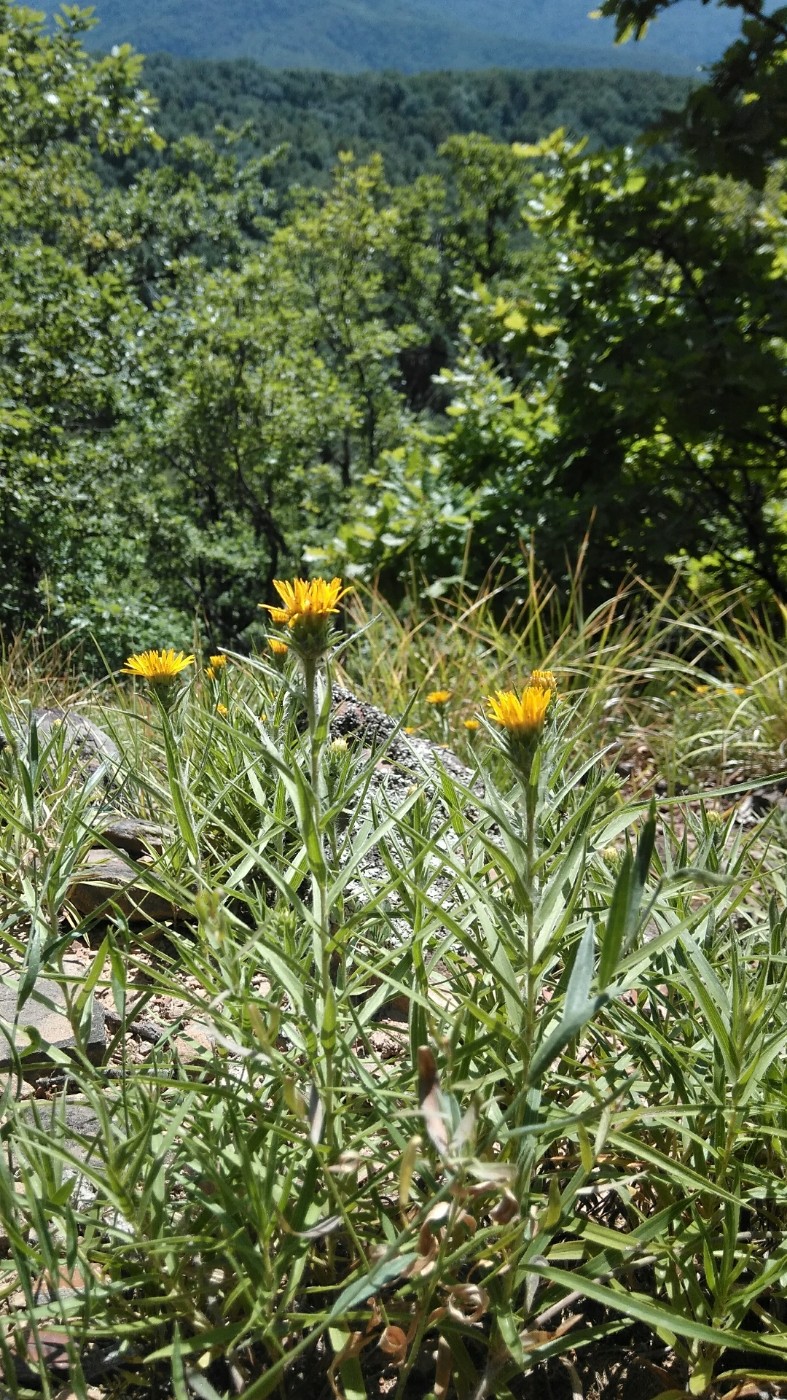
(439, 697)
(217, 662)
(157, 667)
(222, 710)
(278, 648)
(521, 715)
(305, 601)
(542, 680)
(472, 724)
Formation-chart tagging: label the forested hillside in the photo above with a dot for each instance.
(204, 384)
(354, 35)
(405, 119)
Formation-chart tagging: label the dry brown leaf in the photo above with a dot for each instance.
(352, 1348)
(467, 1303)
(442, 1376)
(539, 1337)
(507, 1209)
(430, 1100)
(748, 1390)
(394, 1343)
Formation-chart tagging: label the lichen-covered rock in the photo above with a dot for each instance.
(405, 764)
(352, 718)
(83, 741)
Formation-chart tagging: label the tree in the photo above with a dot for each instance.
(232, 429)
(735, 124)
(63, 312)
(633, 385)
(93, 284)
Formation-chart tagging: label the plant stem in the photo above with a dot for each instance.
(531, 803)
(320, 905)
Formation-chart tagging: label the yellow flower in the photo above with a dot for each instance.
(216, 662)
(409, 729)
(472, 724)
(305, 600)
(542, 680)
(158, 667)
(522, 716)
(278, 648)
(439, 697)
(222, 710)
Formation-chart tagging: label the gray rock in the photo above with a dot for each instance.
(404, 763)
(108, 882)
(41, 1026)
(133, 835)
(84, 741)
(352, 718)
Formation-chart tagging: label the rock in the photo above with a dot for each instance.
(42, 1025)
(69, 1121)
(130, 834)
(404, 763)
(83, 740)
(107, 882)
(352, 718)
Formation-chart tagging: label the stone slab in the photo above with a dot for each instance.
(68, 1121)
(109, 882)
(44, 1015)
(130, 834)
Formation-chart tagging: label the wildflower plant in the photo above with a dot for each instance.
(472, 1071)
(161, 669)
(307, 609)
(519, 726)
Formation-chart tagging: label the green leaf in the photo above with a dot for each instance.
(578, 1007)
(364, 1287)
(655, 1315)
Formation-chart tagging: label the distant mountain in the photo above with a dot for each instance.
(346, 36)
(404, 117)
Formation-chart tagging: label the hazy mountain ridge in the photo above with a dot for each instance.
(357, 35)
(404, 117)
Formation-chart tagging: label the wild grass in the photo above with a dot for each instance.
(467, 1082)
(689, 694)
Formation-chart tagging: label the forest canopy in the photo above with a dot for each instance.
(212, 373)
(404, 118)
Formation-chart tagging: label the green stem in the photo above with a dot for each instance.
(529, 1109)
(320, 905)
(531, 796)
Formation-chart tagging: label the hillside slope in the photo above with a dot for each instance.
(405, 118)
(409, 35)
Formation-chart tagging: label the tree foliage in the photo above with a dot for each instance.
(736, 123)
(205, 384)
(311, 117)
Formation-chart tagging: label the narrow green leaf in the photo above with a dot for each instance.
(654, 1314)
(362, 1288)
(578, 1008)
